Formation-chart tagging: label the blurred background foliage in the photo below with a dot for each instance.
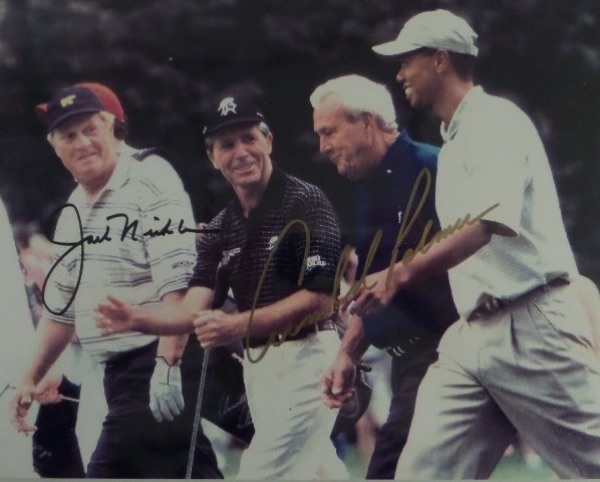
(168, 58)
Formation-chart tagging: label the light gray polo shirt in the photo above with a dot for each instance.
(492, 155)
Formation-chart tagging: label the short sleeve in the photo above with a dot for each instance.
(166, 223)
(209, 255)
(496, 169)
(325, 242)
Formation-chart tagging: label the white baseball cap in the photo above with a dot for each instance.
(438, 29)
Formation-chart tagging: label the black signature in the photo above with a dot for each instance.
(236, 405)
(130, 228)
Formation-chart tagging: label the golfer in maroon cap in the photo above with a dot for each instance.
(107, 241)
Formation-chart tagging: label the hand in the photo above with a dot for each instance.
(372, 296)
(216, 328)
(166, 398)
(338, 381)
(114, 316)
(46, 392)
(19, 407)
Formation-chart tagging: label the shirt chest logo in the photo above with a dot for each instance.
(400, 216)
(314, 261)
(272, 243)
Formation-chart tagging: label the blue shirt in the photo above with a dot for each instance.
(381, 203)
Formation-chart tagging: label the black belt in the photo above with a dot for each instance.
(309, 329)
(412, 344)
(492, 305)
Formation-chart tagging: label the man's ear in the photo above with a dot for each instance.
(269, 138)
(211, 158)
(368, 119)
(442, 60)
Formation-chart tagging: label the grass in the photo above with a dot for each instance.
(511, 467)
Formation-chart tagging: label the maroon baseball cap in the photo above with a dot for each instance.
(107, 97)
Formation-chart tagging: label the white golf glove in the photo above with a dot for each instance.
(166, 398)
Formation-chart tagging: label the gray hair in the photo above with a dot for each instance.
(209, 142)
(357, 94)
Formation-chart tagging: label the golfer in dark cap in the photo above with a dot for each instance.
(283, 285)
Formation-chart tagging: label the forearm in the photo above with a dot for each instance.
(354, 343)
(174, 315)
(301, 308)
(171, 347)
(162, 319)
(52, 337)
(443, 255)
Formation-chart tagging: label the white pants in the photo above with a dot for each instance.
(529, 368)
(292, 424)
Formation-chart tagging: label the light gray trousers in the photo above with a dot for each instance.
(528, 368)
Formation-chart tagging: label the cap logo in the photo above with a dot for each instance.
(67, 101)
(226, 106)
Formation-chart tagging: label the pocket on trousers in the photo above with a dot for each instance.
(547, 326)
(450, 339)
(560, 329)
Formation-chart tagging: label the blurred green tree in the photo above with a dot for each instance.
(168, 58)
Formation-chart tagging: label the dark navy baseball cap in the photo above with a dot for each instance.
(71, 101)
(231, 110)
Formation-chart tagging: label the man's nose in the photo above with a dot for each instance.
(239, 150)
(82, 141)
(324, 145)
(400, 75)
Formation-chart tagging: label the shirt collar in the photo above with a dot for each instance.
(390, 159)
(271, 197)
(117, 179)
(463, 108)
(121, 172)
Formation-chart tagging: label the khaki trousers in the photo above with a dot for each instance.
(528, 368)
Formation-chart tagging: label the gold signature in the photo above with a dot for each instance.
(424, 245)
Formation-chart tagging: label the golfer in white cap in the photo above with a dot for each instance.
(520, 358)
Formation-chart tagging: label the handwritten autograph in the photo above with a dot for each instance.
(424, 245)
(130, 228)
(412, 213)
(235, 405)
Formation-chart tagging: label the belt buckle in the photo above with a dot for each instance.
(550, 285)
(487, 307)
(490, 305)
(404, 347)
(396, 351)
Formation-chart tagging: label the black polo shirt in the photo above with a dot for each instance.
(241, 246)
